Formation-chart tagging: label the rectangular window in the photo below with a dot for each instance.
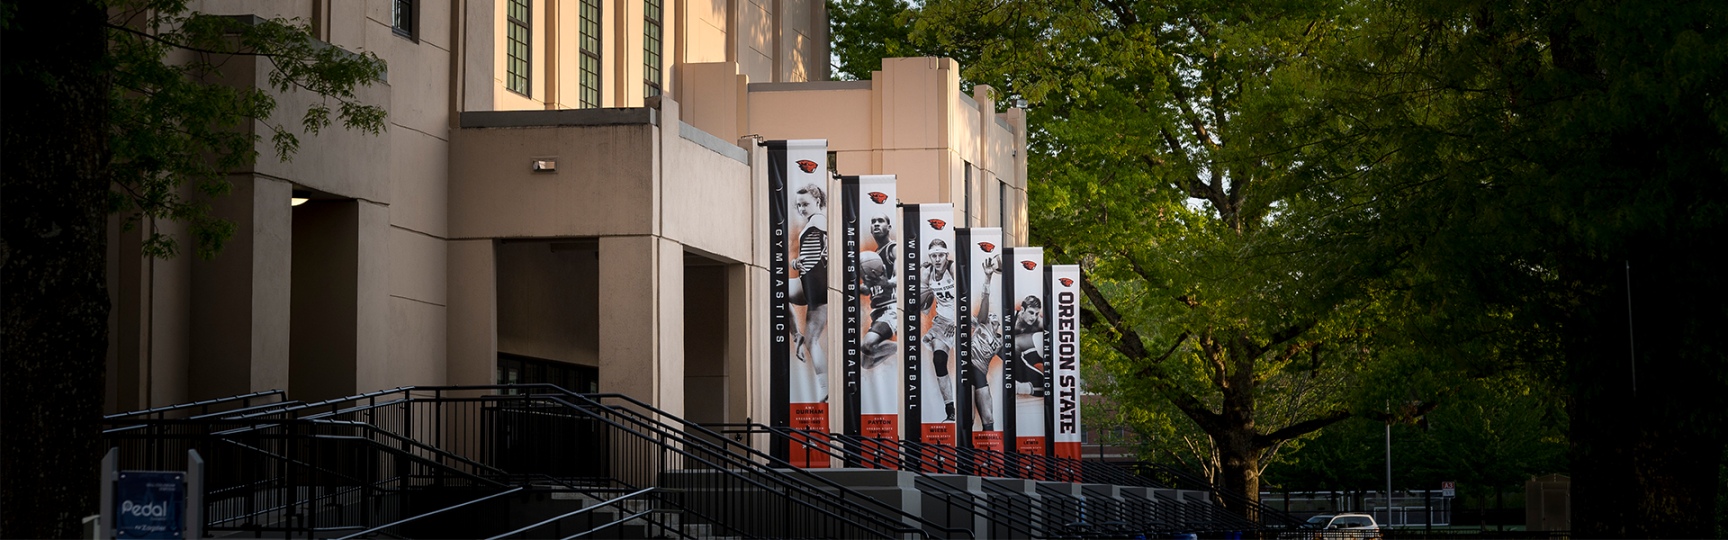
(588, 50)
(402, 17)
(1002, 191)
(651, 43)
(519, 37)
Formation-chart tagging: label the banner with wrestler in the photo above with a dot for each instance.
(1023, 354)
(870, 248)
(798, 186)
(1064, 296)
(980, 339)
(932, 277)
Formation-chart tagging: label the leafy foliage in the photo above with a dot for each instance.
(1173, 160)
(175, 122)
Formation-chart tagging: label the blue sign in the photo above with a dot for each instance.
(149, 504)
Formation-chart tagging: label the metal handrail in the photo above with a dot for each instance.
(923, 479)
(204, 403)
(432, 513)
(576, 513)
(881, 513)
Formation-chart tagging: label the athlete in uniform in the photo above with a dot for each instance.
(878, 282)
(811, 287)
(939, 290)
(986, 339)
(1028, 338)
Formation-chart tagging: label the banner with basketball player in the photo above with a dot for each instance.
(870, 248)
(931, 290)
(1023, 291)
(980, 339)
(798, 186)
(1064, 296)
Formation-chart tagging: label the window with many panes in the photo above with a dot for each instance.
(519, 37)
(588, 49)
(402, 17)
(651, 43)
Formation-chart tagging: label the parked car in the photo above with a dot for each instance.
(1341, 526)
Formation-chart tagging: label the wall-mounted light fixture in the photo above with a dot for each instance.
(545, 165)
(299, 197)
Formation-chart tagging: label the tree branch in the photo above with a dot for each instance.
(1301, 428)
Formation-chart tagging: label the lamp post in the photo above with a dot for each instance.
(1388, 463)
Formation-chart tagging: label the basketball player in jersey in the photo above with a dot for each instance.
(811, 287)
(939, 291)
(986, 340)
(879, 283)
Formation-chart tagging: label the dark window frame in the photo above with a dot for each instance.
(589, 42)
(405, 19)
(653, 46)
(519, 79)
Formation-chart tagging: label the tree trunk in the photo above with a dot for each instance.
(54, 326)
(1240, 475)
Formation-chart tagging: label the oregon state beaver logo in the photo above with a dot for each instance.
(987, 247)
(938, 224)
(878, 196)
(1067, 282)
(1029, 264)
(807, 165)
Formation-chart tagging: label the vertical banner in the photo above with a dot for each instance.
(798, 302)
(870, 247)
(980, 309)
(932, 278)
(1023, 291)
(1065, 333)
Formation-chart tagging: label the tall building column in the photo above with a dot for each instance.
(642, 320)
(471, 341)
(240, 299)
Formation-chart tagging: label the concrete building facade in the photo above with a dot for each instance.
(568, 191)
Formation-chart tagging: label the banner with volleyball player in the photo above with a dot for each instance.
(931, 278)
(798, 186)
(980, 339)
(870, 249)
(1023, 292)
(1064, 350)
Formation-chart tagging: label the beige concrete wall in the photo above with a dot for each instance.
(703, 26)
(712, 97)
(642, 334)
(471, 332)
(603, 185)
(755, 39)
(239, 324)
(705, 195)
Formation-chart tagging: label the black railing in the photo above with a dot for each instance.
(407, 462)
(1256, 514)
(439, 461)
(1146, 509)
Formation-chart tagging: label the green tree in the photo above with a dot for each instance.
(110, 108)
(1171, 159)
(1555, 172)
(866, 31)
